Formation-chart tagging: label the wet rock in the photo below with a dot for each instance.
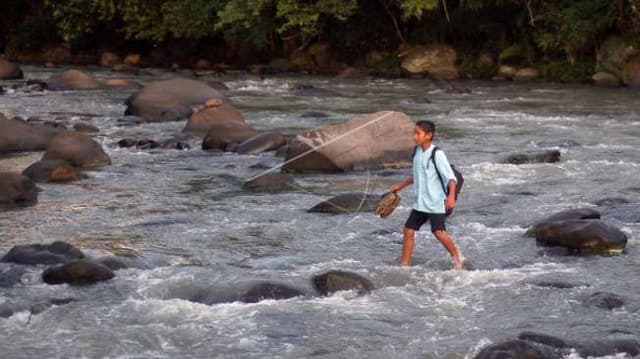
(169, 100)
(546, 156)
(373, 141)
(594, 348)
(16, 190)
(347, 203)
(583, 236)
(613, 201)
(145, 144)
(575, 213)
(270, 182)
(78, 272)
(336, 280)
(52, 171)
(263, 291)
(34, 254)
(222, 134)
(415, 100)
(604, 300)
(10, 275)
(267, 141)
(202, 121)
(78, 149)
(628, 213)
(17, 136)
(305, 89)
(72, 80)
(314, 114)
(84, 127)
(119, 262)
(520, 349)
(9, 70)
(567, 143)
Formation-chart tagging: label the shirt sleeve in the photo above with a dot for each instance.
(444, 167)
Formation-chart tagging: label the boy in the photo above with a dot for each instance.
(431, 202)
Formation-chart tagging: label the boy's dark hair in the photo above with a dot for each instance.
(427, 126)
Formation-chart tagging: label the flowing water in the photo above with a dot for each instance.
(185, 215)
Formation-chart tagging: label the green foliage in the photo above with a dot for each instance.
(572, 26)
(415, 8)
(559, 70)
(34, 34)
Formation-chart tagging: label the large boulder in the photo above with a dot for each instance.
(337, 280)
(16, 190)
(169, 100)
(78, 272)
(78, 149)
(9, 70)
(72, 80)
(18, 135)
(373, 141)
(34, 254)
(347, 203)
(527, 74)
(437, 61)
(52, 171)
(583, 236)
(202, 121)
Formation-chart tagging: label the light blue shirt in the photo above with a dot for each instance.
(427, 185)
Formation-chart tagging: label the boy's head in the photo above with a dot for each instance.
(424, 132)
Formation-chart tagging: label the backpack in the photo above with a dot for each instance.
(459, 179)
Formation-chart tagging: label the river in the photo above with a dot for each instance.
(185, 215)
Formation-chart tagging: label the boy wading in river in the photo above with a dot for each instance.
(431, 202)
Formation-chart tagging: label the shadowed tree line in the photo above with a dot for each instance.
(567, 36)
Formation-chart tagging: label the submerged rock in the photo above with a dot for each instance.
(78, 272)
(270, 182)
(52, 171)
(263, 291)
(545, 156)
(347, 203)
(575, 213)
(16, 190)
(583, 236)
(520, 349)
(72, 80)
(17, 135)
(78, 149)
(169, 100)
(336, 280)
(604, 300)
(267, 141)
(33, 254)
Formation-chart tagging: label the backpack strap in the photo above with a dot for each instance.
(433, 159)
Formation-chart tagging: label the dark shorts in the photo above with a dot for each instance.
(417, 219)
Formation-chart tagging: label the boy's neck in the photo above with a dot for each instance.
(426, 145)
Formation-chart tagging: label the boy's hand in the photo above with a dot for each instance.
(450, 202)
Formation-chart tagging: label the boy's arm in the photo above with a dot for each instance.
(399, 186)
(450, 202)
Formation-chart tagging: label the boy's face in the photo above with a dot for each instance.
(420, 137)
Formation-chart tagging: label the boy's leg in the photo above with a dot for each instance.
(414, 222)
(409, 236)
(447, 242)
